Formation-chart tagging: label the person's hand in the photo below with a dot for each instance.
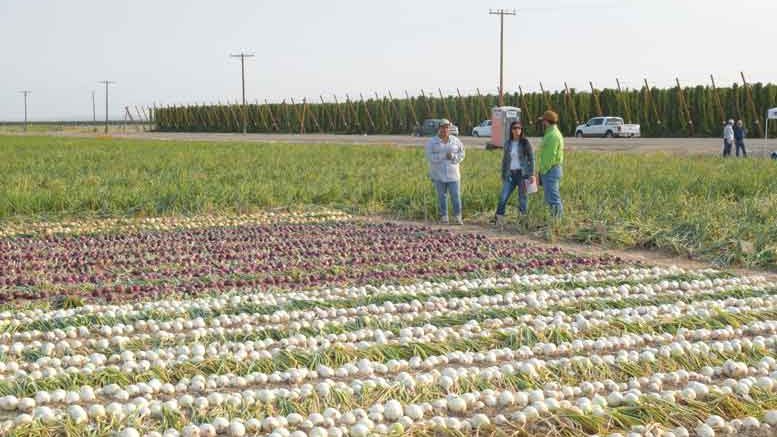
(532, 180)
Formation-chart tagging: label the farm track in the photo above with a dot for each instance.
(680, 146)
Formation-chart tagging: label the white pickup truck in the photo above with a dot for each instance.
(607, 127)
(482, 130)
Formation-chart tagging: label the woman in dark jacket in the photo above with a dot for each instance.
(517, 171)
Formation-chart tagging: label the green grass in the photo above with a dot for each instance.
(723, 211)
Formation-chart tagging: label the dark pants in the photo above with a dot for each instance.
(515, 180)
(741, 145)
(726, 148)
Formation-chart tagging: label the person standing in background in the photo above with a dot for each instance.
(444, 153)
(551, 161)
(739, 138)
(728, 138)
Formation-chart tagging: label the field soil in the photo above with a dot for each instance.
(681, 146)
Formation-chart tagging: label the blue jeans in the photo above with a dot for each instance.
(550, 184)
(508, 186)
(741, 145)
(452, 188)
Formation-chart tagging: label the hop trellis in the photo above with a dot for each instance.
(658, 111)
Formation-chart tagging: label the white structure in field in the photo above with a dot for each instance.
(501, 118)
(770, 115)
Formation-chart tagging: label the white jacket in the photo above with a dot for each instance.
(441, 168)
(728, 133)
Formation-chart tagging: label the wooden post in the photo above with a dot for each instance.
(545, 98)
(412, 108)
(297, 118)
(751, 103)
(463, 103)
(444, 104)
(354, 114)
(260, 116)
(625, 101)
(595, 95)
(718, 103)
(313, 117)
(429, 112)
(570, 103)
(275, 125)
(684, 107)
(332, 121)
(367, 111)
(524, 106)
(207, 112)
(302, 118)
(380, 111)
(340, 113)
(149, 111)
(652, 102)
(482, 105)
(234, 116)
(141, 118)
(285, 115)
(397, 113)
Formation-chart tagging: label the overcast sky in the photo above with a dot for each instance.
(175, 51)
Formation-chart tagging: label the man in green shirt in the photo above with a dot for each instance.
(551, 159)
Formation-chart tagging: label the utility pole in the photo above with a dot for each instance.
(94, 110)
(106, 82)
(26, 93)
(243, 57)
(501, 13)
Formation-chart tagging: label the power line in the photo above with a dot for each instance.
(243, 57)
(106, 82)
(501, 13)
(26, 93)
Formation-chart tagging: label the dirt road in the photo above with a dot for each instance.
(683, 146)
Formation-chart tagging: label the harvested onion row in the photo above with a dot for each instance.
(254, 298)
(167, 223)
(508, 300)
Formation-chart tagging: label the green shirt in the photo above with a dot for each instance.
(551, 149)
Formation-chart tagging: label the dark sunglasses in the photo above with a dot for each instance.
(517, 127)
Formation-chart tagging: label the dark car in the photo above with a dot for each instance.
(430, 126)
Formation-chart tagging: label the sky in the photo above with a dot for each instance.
(177, 52)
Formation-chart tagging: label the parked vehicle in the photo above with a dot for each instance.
(482, 130)
(430, 126)
(607, 127)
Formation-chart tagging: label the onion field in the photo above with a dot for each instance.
(317, 323)
(723, 211)
(202, 290)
